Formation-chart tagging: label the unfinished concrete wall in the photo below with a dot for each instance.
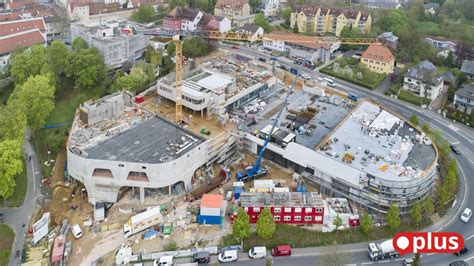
(106, 108)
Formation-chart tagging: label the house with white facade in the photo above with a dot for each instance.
(251, 29)
(210, 22)
(270, 8)
(182, 19)
(464, 98)
(423, 81)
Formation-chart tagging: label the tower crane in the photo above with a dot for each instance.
(256, 170)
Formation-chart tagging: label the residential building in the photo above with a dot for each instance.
(182, 19)
(239, 21)
(20, 34)
(449, 78)
(138, 3)
(379, 4)
(232, 8)
(442, 43)
(464, 98)
(253, 30)
(431, 8)
(312, 52)
(379, 59)
(468, 68)
(78, 11)
(113, 38)
(321, 20)
(210, 22)
(270, 8)
(389, 39)
(423, 81)
(286, 207)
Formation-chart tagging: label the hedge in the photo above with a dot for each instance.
(409, 97)
(354, 81)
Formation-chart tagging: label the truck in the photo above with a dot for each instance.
(383, 250)
(142, 221)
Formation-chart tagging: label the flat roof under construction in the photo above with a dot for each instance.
(155, 140)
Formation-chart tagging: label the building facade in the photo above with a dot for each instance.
(467, 68)
(378, 59)
(423, 81)
(112, 38)
(182, 19)
(312, 19)
(232, 8)
(270, 8)
(464, 98)
(389, 39)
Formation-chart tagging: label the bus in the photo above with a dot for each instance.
(330, 82)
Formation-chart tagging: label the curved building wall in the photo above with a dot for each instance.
(104, 187)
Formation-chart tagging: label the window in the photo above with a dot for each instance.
(121, 165)
(318, 218)
(308, 218)
(287, 218)
(308, 210)
(276, 218)
(297, 218)
(297, 209)
(256, 209)
(143, 167)
(319, 210)
(287, 209)
(276, 210)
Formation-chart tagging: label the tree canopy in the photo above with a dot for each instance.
(241, 225)
(13, 122)
(195, 47)
(31, 62)
(416, 213)
(262, 21)
(265, 224)
(79, 44)
(144, 14)
(396, 21)
(87, 68)
(393, 217)
(365, 223)
(10, 165)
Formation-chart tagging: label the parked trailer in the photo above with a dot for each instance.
(383, 250)
(142, 221)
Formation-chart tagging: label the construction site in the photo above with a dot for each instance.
(324, 156)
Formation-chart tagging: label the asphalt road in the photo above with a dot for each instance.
(16, 217)
(455, 133)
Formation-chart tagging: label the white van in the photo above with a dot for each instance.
(330, 82)
(166, 260)
(76, 231)
(258, 252)
(227, 256)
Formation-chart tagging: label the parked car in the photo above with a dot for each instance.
(455, 149)
(166, 260)
(463, 251)
(408, 262)
(466, 215)
(305, 76)
(227, 256)
(281, 251)
(76, 231)
(459, 263)
(261, 59)
(202, 257)
(258, 252)
(235, 47)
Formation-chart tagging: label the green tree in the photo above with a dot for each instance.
(13, 122)
(262, 21)
(241, 225)
(337, 222)
(396, 21)
(10, 166)
(58, 58)
(414, 120)
(426, 127)
(366, 223)
(136, 81)
(428, 205)
(148, 69)
(254, 4)
(265, 224)
(416, 214)
(393, 217)
(79, 44)
(285, 14)
(35, 98)
(451, 182)
(349, 32)
(442, 195)
(144, 14)
(170, 49)
(88, 69)
(195, 47)
(203, 4)
(29, 63)
(152, 56)
(174, 3)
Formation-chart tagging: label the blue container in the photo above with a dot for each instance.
(237, 191)
(205, 219)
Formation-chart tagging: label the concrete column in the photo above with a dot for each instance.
(169, 190)
(142, 195)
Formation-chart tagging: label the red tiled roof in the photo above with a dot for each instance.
(10, 16)
(23, 39)
(11, 27)
(181, 12)
(378, 53)
(212, 200)
(21, 4)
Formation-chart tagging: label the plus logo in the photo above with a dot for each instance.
(428, 242)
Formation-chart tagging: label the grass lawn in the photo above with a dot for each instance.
(299, 237)
(54, 139)
(19, 193)
(408, 97)
(6, 241)
(429, 27)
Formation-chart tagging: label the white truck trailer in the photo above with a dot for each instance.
(142, 221)
(383, 250)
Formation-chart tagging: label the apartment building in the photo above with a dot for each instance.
(232, 8)
(322, 20)
(378, 59)
(423, 80)
(270, 8)
(464, 98)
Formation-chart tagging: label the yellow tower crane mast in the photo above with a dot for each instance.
(242, 36)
